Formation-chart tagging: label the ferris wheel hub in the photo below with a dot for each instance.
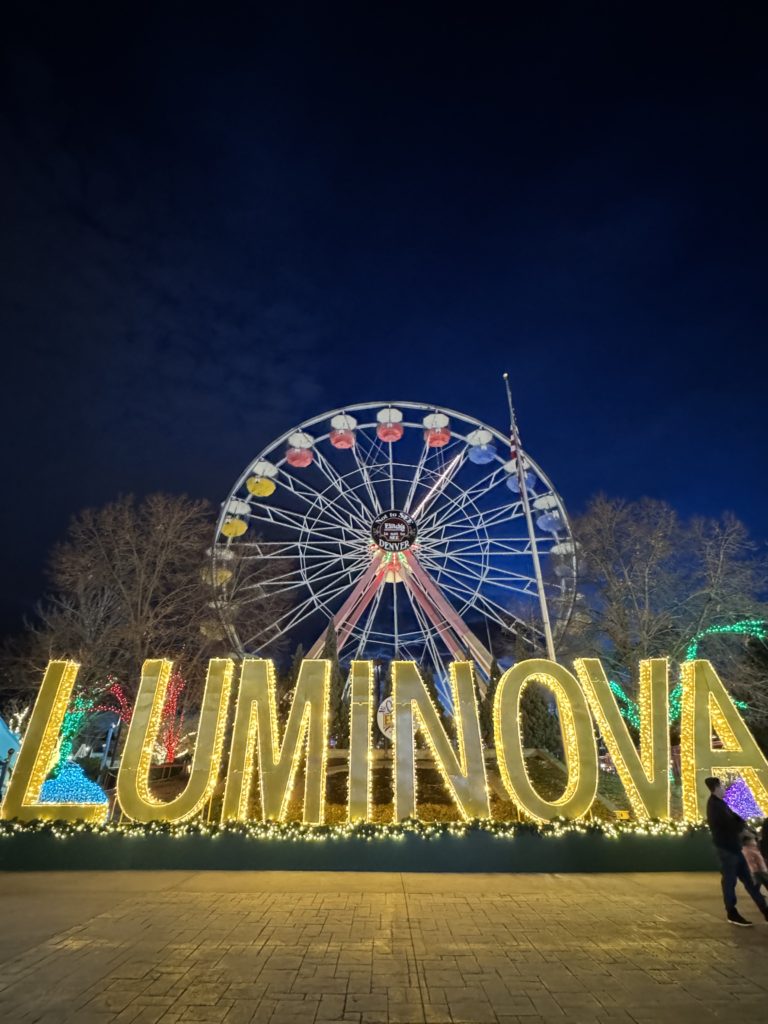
(393, 530)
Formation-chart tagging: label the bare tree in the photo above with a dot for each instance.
(133, 580)
(651, 582)
(127, 584)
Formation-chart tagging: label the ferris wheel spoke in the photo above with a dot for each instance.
(391, 477)
(444, 479)
(428, 630)
(305, 556)
(470, 495)
(282, 518)
(487, 554)
(363, 470)
(369, 447)
(328, 579)
(481, 543)
(294, 548)
(484, 570)
(308, 607)
(455, 514)
(299, 572)
(483, 604)
(367, 627)
(481, 521)
(314, 499)
(527, 584)
(416, 477)
(343, 491)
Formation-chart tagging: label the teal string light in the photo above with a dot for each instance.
(72, 786)
(627, 706)
(754, 628)
(70, 730)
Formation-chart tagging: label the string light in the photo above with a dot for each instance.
(257, 745)
(133, 790)
(256, 729)
(578, 740)
(645, 776)
(741, 799)
(38, 752)
(72, 786)
(464, 776)
(707, 706)
(360, 791)
(756, 628)
(409, 828)
(122, 706)
(71, 727)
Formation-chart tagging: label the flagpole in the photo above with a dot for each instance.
(517, 454)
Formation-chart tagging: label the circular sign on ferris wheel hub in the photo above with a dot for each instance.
(393, 530)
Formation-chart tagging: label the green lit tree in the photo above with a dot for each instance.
(339, 709)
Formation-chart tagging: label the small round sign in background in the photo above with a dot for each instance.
(385, 717)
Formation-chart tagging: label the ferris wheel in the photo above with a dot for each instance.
(419, 532)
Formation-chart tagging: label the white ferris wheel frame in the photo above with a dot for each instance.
(353, 541)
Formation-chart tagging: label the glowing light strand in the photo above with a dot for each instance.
(754, 628)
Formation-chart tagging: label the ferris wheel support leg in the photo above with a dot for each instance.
(347, 617)
(441, 624)
(478, 650)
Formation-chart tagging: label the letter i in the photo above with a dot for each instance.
(360, 720)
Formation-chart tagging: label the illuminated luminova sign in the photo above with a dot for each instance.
(240, 740)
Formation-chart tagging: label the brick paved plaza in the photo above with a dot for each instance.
(119, 948)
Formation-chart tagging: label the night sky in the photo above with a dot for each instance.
(216, 226)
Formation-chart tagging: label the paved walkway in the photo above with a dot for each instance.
(298, 948)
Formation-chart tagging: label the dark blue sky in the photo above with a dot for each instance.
(213, 227)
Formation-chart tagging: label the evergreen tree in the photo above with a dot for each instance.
(445, 717)
(339, 708)
(540, 726)
(287, 684)
(485, 706)
(293, 671)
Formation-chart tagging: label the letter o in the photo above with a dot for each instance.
(578, 740)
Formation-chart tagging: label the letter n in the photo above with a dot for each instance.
(464, 775)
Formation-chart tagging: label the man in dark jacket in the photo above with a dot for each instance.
(726, 828)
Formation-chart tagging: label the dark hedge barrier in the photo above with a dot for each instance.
(476, 850)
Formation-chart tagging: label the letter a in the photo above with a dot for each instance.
(707, 706)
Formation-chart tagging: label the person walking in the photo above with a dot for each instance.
(727, 827)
